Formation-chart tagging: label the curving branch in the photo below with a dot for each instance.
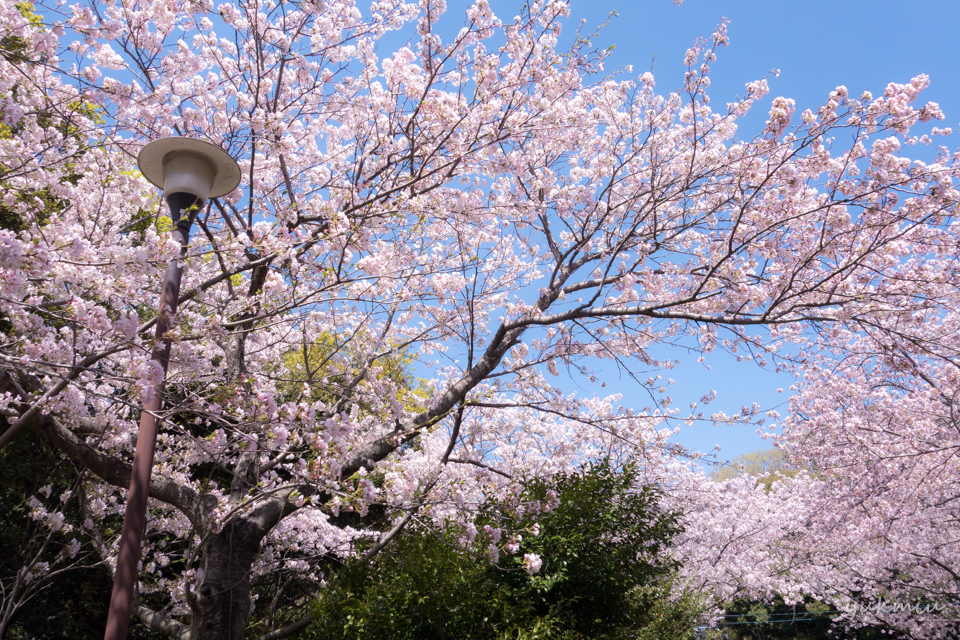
(159, 622)
(289, 630)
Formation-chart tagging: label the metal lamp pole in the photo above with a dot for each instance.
(189, 172)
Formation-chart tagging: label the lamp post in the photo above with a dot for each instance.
(189, 172)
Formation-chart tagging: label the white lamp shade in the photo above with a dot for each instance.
(192, 166)
(186, 171)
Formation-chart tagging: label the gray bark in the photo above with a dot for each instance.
(222, 601)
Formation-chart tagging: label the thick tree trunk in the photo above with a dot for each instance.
(222, 602)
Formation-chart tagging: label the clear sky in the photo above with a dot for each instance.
(816, 45)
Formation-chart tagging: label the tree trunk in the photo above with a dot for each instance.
(222, 602)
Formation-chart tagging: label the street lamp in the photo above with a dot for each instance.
(190, 172)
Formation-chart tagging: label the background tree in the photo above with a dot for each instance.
(583, 556)
(767, 465)
(885, 445)
(483, 202)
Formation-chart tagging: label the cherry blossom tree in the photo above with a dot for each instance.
(879, 420)
(484, 205)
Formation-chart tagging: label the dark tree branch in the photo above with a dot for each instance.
(163, 624)
(289, 630)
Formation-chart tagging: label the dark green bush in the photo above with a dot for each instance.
(605, 571)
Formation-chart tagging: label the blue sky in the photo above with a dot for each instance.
(816, 45)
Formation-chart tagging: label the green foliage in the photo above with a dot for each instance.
(671, 610)
(601, 578)
(754, 463)
(320, 366)
(12, 47)
(603, 539)
(422, 586)
(143, 219)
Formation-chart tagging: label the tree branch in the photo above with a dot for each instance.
(163, 624)
(35, 408)
(388, 536)
(482, 466)
(288, 630)
(108, 468)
